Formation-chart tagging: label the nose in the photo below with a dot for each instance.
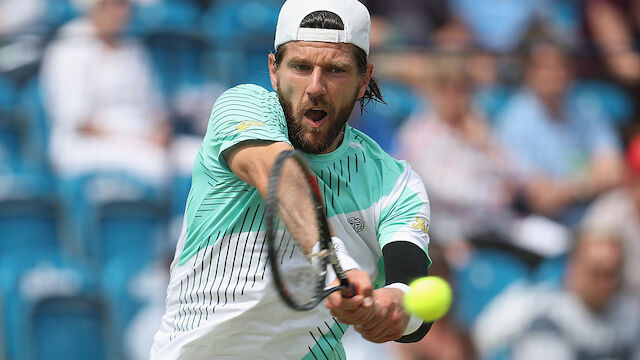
(316, 85)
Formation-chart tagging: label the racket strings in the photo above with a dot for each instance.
(302, 263)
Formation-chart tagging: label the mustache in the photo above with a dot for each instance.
(307, 105)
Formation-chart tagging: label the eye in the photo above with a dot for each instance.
(300, 67)
(336, 70)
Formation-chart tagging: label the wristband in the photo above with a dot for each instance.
(346, 261)
(414, 322)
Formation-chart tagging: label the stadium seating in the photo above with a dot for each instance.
(242, 37)
(135, 227)
(487, 273)
(603, 99)
(33, 224)
(381, 121)
(29, 277)
(68, 327)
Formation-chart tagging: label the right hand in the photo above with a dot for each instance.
(356, 309)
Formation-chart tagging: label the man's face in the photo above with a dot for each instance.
(596, 271)
(318, 84)
(548, 73)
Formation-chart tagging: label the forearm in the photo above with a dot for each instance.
(405, 262)
(252, 162)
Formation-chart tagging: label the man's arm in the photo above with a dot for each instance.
(252, 161)
(405, 262)
(387, 320)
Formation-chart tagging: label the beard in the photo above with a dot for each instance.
(311, 140)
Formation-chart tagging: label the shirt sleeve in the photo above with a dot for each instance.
(243, 113)
(406, 214)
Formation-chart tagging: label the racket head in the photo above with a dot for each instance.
(298, 234)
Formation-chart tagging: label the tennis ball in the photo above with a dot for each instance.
(429, 298)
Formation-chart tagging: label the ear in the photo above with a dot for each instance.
(273, 71)
(364, 84)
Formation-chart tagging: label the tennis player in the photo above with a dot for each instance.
(221, 303)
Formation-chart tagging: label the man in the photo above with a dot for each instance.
(102, 100)
(619, 211)
(587, 318)
(221, 302)
(567, 155)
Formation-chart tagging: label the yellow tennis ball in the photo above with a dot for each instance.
(428, 297)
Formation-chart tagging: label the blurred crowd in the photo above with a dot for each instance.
(521, 116)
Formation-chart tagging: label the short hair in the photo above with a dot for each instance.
(329, 20)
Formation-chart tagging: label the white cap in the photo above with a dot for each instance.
(354, 15)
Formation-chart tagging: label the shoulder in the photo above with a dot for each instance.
(522, 105)
(247, 97)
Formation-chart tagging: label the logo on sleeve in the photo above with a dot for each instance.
(421, 224)
(244, 125)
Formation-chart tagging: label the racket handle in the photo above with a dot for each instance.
(349, 290)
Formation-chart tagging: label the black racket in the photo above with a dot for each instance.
(298, 235)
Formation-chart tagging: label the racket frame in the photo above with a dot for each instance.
(325, 243)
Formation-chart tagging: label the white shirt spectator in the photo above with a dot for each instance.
(110, 89)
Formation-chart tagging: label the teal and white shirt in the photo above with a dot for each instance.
(221, 303)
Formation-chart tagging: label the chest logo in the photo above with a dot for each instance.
(356, 223)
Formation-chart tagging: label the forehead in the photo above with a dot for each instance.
(320, 52)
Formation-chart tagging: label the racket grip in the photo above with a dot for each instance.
(349, 290)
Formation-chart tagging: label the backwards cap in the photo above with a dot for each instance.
(354, 15)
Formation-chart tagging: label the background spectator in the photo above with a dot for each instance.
(587, 318)
(101, 98)
(451, 146)
(566, 157)
(619, 212)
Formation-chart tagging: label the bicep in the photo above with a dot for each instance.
(252, 161)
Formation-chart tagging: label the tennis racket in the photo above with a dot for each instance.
(298, 235)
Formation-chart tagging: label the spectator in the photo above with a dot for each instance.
(566, 156)
(104, 111)
(588, 318)
(497, 26)
(612, 30)
(454, 151)
(414, 23)
(619, 211)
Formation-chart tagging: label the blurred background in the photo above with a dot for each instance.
(521, 116)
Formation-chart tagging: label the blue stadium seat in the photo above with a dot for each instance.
(488, 272)
(30, 223)
(242, 35)
(491, 100)
(59, 12)
(68, 327)
(603, 99)
(10, 147)
(117, 275)
(7, 97)
(165, 16)
(551, 271)
(26, 278)
(180, 187)
(128, 227)
(381, 121)
(111, 212)
(178, 60)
